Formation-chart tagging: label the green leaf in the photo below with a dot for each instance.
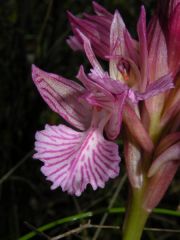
(91, 214)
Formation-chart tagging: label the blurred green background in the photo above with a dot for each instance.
(33, 31)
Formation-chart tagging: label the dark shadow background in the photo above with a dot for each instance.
(33, 31)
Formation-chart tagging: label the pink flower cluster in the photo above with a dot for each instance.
(142, 70)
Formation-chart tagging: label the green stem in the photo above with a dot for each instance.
(136, 217)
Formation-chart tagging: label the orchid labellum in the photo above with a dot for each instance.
(139, 90)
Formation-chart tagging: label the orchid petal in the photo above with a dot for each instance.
(133, 163)
(114, 125)
(137, 129)
(156, 87)
(90, 54)
(98, 34)
(173, 4)
(103, 23)
(105, 81)
(121, 46)
(98, 99)
(131, 47)
(93, 86)
(141, 28)
(158, 184)
(158, 57)
(74, 43)
(62, 97)
(117, 44)
(101, 11)
(166, 142)
(170, 113)
(117, 41)
(174, 39)
(168, 13)
(172, 153)
(164, 9)
(73, 159)
(130, 72)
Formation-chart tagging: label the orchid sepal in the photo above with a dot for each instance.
(62, 97)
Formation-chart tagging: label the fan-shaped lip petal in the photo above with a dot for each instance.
(170, 154)
(73, 159)
(62, 96)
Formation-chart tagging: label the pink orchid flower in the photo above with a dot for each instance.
(140, 89)
(73, 159)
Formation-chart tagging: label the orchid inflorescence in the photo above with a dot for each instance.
(140, 90)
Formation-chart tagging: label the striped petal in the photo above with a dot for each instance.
(108, 83)
(90, 54)
(62, 96)
(96, 95)
(156, 87)
(92, 85)
(73, 159)
(117, 45)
